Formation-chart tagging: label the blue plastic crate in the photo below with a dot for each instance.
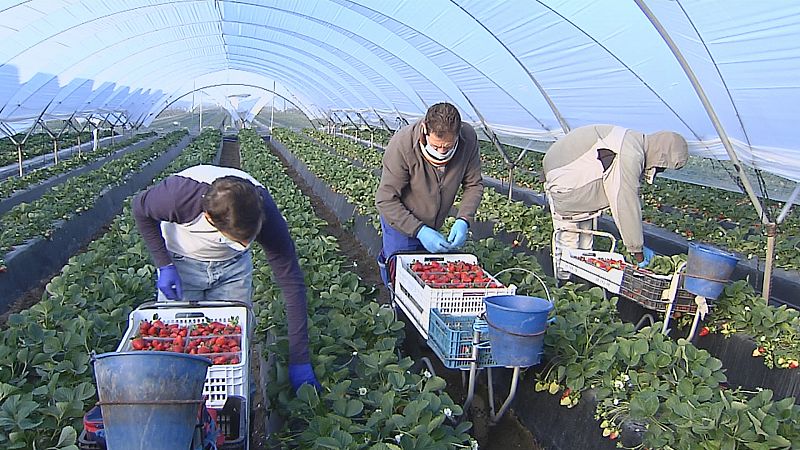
(450, 337)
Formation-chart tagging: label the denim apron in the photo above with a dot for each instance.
(394, 242)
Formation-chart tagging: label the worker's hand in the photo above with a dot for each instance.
(432, 240)
(300, 374)
(647, 256)
(169, 282)
(458, 234)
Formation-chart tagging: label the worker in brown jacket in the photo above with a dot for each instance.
(424, 166)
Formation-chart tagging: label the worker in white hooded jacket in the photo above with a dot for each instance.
(596, 167)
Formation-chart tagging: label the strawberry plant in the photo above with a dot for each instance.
(40, 217)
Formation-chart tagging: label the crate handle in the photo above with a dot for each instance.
(189, 315)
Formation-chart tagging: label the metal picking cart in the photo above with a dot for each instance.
(608, 269)
(452, 321)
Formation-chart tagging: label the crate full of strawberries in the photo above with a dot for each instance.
(454, 283)
(453, 274)
(219, 333)
(219, 342)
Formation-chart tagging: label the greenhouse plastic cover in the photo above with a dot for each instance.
(529, 68)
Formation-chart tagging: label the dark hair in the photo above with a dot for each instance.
(443, 119)
(234, 206)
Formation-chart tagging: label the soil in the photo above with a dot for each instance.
(26, 300)
(509, 433)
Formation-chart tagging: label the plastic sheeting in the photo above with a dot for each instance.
(532, 69)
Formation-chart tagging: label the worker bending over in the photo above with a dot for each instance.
(199, 224)
(595, 167)
(424, 166)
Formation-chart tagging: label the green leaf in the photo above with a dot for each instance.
(354, 408)
(68, 437)
(640, 347)
(435, 423)
(644, 405)
(435, 384)
(778, 441)
(327, 442)
(308, 395)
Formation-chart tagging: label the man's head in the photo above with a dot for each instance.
(664, 150)
(440, 130)
(234, 207)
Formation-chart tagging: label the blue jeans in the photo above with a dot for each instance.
(215, 280)
(394, 242)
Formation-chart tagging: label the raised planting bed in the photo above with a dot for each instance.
(36, 190)
(46, 157)
(29, 263)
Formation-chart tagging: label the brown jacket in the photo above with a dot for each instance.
(413, 193)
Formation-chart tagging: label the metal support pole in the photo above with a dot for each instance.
(54, 139)
(788, 205)
(726, 142)
(772, 231)
(346, 114)
(383, 122)
(510, 182)
(272, 110)
(19, 158)
(473, 370)
(78, 132)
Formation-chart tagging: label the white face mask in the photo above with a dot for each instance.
(439, 157)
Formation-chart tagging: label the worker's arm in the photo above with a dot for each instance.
(175, 199)
(394, 179)
(621, 182)
(282, 258)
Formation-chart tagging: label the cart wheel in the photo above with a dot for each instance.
(479, 415)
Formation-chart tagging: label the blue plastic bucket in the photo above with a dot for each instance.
(516, 328)
(150, 400)
(708, 270)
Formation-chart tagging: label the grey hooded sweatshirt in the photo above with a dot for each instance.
(578, 184)
(413, 193)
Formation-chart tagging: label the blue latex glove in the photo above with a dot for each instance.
(300, 374)
(169, 282)
(458, 234)
(647, 256)
(432, 240)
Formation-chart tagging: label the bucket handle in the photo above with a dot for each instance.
(546, 291)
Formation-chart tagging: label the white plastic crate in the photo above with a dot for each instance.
(221, 380)
(611, 280)
(417, 299)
